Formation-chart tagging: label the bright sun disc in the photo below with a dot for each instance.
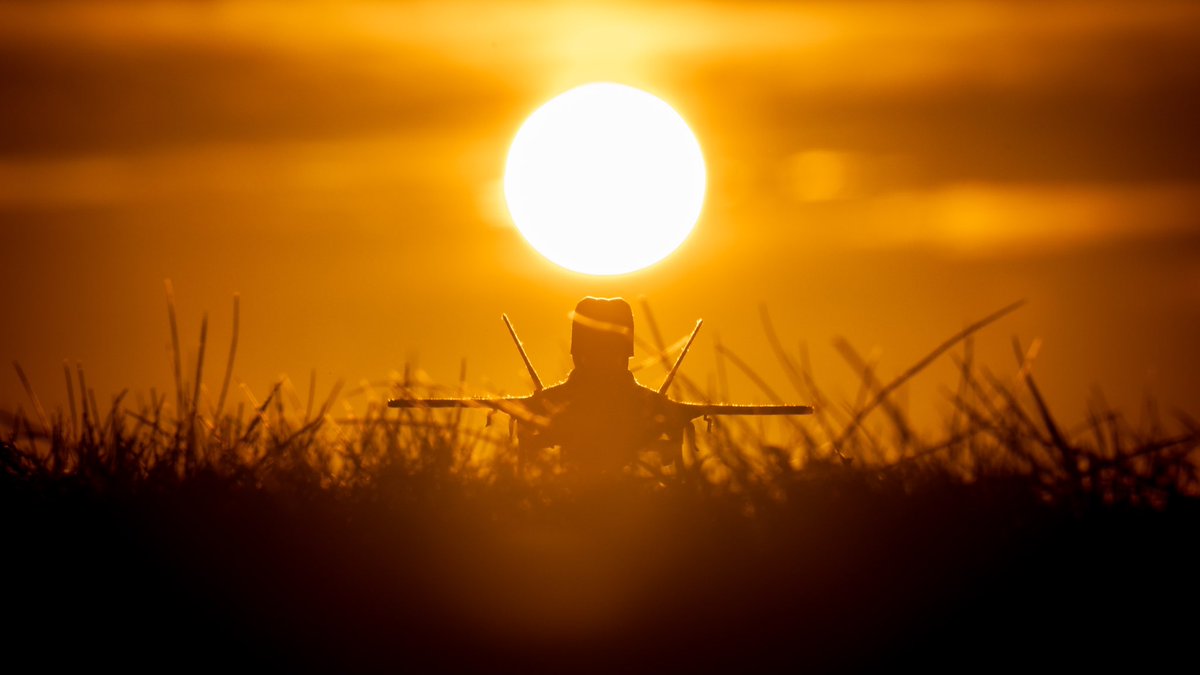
(605, 179)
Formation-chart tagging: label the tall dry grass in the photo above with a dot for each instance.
(1000, 425)
(286, 527)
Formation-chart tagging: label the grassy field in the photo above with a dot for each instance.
(274, 532)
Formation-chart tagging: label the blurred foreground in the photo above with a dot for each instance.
(277, 535)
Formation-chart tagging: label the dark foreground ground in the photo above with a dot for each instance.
(845, 572)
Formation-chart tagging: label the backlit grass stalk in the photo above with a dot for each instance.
(278, 443)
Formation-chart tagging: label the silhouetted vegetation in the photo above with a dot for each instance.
(288, 533)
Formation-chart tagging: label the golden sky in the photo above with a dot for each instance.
(883, 171)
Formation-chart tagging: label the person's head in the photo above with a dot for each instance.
(602, 333)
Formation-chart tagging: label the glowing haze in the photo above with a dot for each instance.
(882, 170)
(605, 179)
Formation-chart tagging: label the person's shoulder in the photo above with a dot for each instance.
(555, 391)
(650, 395)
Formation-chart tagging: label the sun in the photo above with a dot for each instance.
(605, 179)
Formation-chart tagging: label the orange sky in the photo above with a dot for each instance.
(883, 171)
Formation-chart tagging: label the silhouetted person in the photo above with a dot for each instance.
(600, 416)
